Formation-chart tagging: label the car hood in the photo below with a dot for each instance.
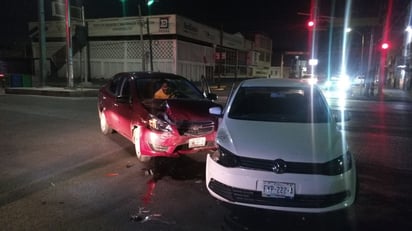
(181, 110)
(300, 142)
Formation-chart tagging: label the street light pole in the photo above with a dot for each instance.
(150, 44)
(362, 47)
(149, 3)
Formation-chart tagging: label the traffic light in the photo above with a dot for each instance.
(385, 46)
(311, 23)
(150, 2)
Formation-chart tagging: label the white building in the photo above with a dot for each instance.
(179, 45)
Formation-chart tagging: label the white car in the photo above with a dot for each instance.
(279, 148)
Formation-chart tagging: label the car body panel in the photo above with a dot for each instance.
(278, 140)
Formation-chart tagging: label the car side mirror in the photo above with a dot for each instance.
(216, 111)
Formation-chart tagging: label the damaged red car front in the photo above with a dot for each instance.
(177, 123)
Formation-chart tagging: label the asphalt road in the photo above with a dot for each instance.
(58, 172)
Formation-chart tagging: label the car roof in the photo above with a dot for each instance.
(275, 82)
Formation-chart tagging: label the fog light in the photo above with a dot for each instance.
(158, 147)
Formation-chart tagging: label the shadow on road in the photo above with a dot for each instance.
(241, 218)
(180, 168)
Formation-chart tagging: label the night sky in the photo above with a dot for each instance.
(282, 20)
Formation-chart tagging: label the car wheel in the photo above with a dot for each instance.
(136, 141)
(104, 126)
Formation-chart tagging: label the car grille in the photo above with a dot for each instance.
(255, 197)
(291, 167)
(196, 128)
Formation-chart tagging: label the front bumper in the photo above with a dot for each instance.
(155, 143)
(314, 193)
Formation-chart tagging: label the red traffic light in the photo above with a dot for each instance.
(385, 45)
(311, 23)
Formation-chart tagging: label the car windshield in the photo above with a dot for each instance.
(279, 104)
(178, 88)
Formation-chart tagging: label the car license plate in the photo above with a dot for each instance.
(197, 142)
(278, 189)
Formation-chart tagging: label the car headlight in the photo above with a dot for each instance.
(339, 165)
(158, 124)
(225, 158)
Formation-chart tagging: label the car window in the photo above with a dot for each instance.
(116, 84)
(279, 104)
(179, 88)
(184, 89)
(125, 88)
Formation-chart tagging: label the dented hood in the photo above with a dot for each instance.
(179, 110)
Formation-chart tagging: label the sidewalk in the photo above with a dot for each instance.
(222, 90)
(389, 94)
(81, 90)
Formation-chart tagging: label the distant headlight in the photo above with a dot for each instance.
(345, 84)
(158, 124)
(328, 84)
(225, 158)
(339, 165)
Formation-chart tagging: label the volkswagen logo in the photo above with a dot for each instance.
(279, 166)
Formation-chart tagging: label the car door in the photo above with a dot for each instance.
(124, 107)
(108, 98)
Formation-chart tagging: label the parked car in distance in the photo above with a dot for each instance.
(358, 80)
(338, 87)
(177, 124)
(279, 149)
(309, 78)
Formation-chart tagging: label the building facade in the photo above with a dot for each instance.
(165, 43)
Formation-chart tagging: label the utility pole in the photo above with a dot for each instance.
(42, 43)
(141, 37)
(69, 54)
(149, 3)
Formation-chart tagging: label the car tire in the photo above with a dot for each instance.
(104, 126)
(136, 141)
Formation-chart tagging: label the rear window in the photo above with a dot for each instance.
(279, 104)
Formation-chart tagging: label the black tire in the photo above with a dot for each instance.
(104, 126)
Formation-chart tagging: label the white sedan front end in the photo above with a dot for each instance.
(283, 163)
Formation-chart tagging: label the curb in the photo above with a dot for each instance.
(53, 92)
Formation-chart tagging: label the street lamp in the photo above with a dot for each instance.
(348, 30)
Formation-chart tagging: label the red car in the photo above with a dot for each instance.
(178, 123)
